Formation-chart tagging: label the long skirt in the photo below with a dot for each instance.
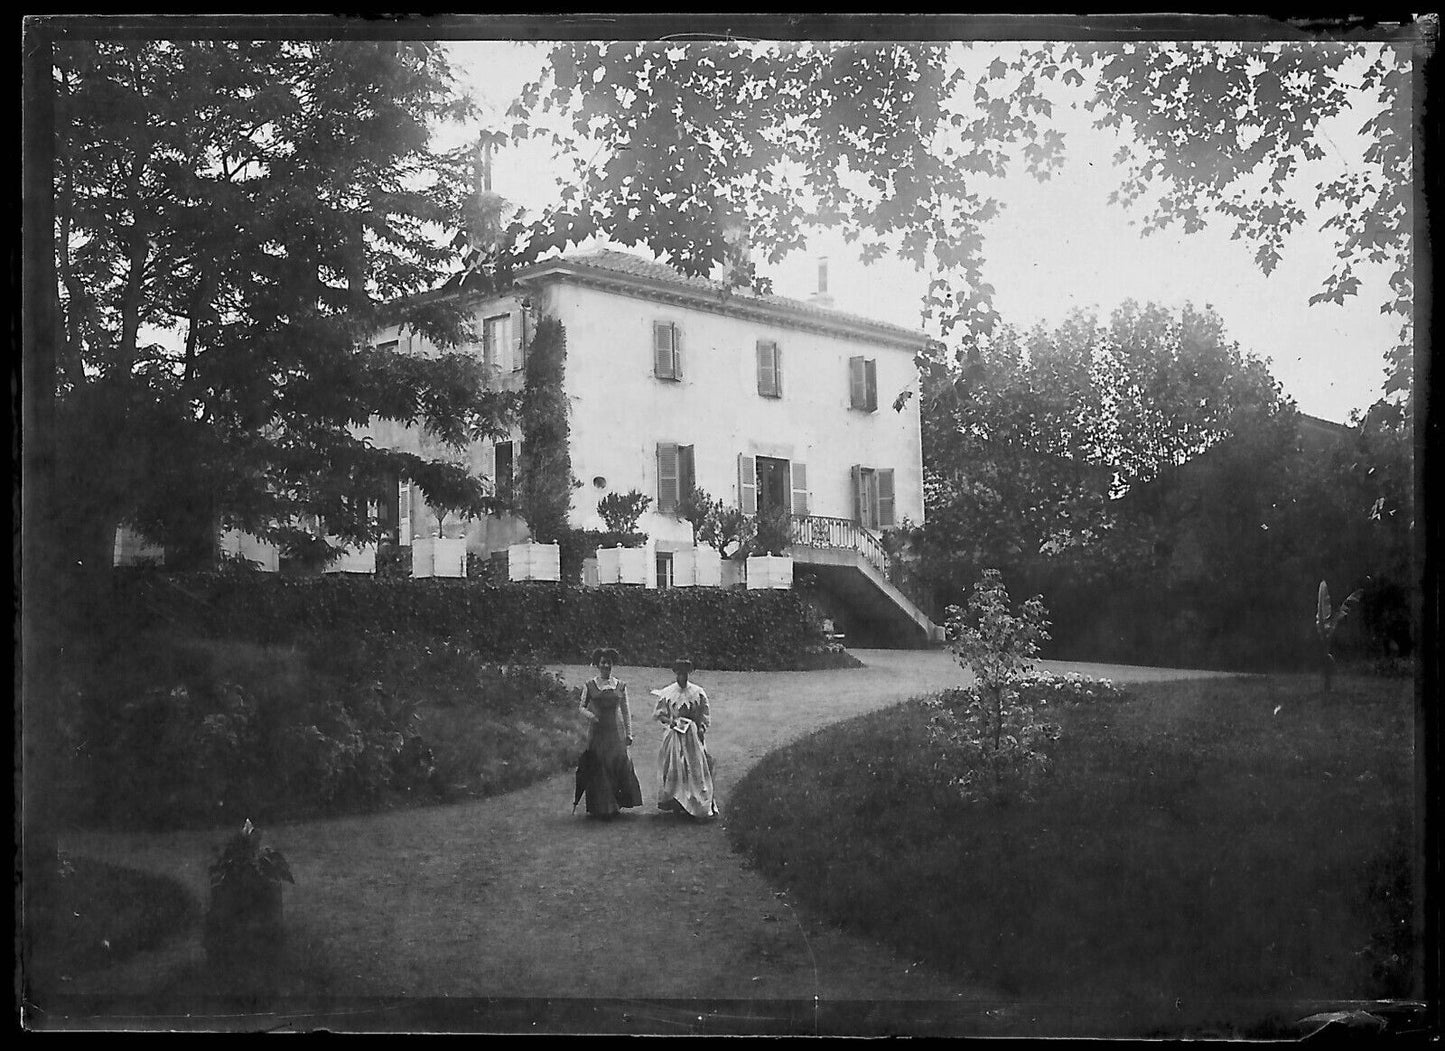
(605, 776)
(685, 774)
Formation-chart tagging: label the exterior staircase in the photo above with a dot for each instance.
(851, 564)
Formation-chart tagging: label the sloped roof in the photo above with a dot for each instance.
(624, 270)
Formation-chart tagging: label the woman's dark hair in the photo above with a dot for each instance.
(606, 653)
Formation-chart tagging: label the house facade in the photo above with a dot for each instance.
(768, 404)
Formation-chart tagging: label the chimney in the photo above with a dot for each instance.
(821, 298)
(485, 147)
(737, 236)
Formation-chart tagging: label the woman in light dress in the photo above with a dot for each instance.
(684, 767)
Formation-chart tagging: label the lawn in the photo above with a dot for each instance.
(1207, 854)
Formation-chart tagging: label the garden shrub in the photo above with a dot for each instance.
(989, 737)
(162, 732)
(719, 628)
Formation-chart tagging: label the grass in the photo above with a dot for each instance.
(92, 914)
(1207, 852)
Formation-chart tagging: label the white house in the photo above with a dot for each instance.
(765, 402)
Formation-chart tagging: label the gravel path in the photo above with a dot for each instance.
(517, 896)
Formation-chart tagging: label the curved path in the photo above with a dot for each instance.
(517, 896)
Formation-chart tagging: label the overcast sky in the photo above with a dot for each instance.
(1059, 245)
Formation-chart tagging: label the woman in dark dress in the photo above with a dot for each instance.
(605, 772)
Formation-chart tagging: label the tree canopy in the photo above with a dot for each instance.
(272, 204)
(1024, 453)
(896, 143)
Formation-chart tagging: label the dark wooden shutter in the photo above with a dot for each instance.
(519, 344)
(504, 469)
(769, 382)
(857, 383)
(665, 364)
(857, 470)
(871, 397)
(800, 489)
(885, 498)
(686, 472)
(747, 484)
(403, 513)
(667, 477)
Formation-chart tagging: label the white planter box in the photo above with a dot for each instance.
(635, 565)
(534, 562)
(627, 565)
(422, 555)
(449, 556)
(235, 542)
(609, 565)
(769, 571)
(707, 567)
(353, 560)
(684, 567)
(696, 566)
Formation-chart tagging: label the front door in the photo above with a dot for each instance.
(773, 494)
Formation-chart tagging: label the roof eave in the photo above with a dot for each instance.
(734, 304)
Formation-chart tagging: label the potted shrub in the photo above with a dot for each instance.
(701, 564)
(244, 916)
(630, 559)
(439, 555)
(771, 566)
(727, 532)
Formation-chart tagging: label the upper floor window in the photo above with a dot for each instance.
(390, 346)
(863, 383)
(666, 350)
(504, 469)
(770, 374)
(676, 475)
(873, 497)
(499, 350)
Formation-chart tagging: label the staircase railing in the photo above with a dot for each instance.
(822, 531)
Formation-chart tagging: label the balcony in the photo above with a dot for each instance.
(834, 546)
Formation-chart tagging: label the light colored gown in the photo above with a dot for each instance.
(684, 768)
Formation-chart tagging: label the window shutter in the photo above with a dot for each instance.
(667, 477)
(769, 382)
(885, 498)
(686, 472)
(403, 513)
(747, 484)
(871, 398)
(858, 493)
(800, 489)
(519, 347)
(857, 384)
(666, 362)
(504, 470)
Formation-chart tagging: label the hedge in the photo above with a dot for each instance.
(717, 628)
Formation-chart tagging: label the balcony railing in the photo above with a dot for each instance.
(821, 531)
(818, 531)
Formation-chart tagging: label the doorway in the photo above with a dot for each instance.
(773, 496)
